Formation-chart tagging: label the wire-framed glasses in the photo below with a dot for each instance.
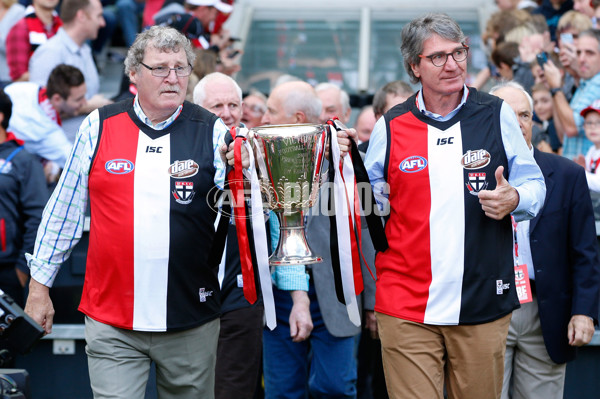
(163, 72)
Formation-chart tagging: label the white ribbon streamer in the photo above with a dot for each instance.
(260, 238)
(221, 273)
(344, 195)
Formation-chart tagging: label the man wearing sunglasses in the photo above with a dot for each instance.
(452, 165)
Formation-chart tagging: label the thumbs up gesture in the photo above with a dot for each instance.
(502, 200)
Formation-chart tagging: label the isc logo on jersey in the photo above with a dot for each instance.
(413, 164)
(119, 166)
(183, 169)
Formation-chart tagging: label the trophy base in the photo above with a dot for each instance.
(292, 249)
(291, 261)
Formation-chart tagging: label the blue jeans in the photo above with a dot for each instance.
(323, 365)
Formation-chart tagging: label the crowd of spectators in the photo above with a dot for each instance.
(49, 71)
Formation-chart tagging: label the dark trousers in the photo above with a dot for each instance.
(239, 353)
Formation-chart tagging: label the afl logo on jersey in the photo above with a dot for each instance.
(475, 159)
(183, 169)
(413, 164)
(119, 166)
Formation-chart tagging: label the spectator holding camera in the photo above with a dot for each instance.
(567, 114)
(570, 25)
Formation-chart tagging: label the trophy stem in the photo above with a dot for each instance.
(292, 248)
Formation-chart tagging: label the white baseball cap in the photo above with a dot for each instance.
(219, 5)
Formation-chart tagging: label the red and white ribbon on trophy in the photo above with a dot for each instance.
(258, 230)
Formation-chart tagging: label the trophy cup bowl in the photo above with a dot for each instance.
(289, 163)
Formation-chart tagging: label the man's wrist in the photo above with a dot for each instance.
(300, 297)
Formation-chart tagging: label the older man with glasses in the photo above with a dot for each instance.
(452, 165)
(151, 291)
(558, 248)
(253, 107)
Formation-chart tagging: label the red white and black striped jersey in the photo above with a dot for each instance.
(447, 263)
(152, 226)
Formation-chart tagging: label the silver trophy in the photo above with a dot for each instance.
(289, 163)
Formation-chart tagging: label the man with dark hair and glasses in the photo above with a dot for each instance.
(452, 165)
(151, 291)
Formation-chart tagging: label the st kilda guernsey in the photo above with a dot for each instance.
(448, 263)
(151, 225)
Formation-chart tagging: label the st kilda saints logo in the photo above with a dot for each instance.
(476, 183)
(184, 192)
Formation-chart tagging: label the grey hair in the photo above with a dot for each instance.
(305, 100)
(163, 39)
(256, 93)
(420, 29)
(513, 85)
(200, 89)
(344, 97)
(593, 33)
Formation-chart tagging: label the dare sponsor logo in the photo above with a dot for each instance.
(475, 159)
(119, 166)
(183, 169)
(413, 164)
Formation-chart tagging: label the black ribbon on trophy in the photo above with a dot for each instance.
(363, 200)
(286, 163)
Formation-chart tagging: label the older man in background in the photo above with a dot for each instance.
(254, 106)
(240, 338)
(310, 319)
(336, 102)
(559, 250)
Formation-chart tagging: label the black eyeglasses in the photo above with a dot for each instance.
(440, 59)
(163, 72)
